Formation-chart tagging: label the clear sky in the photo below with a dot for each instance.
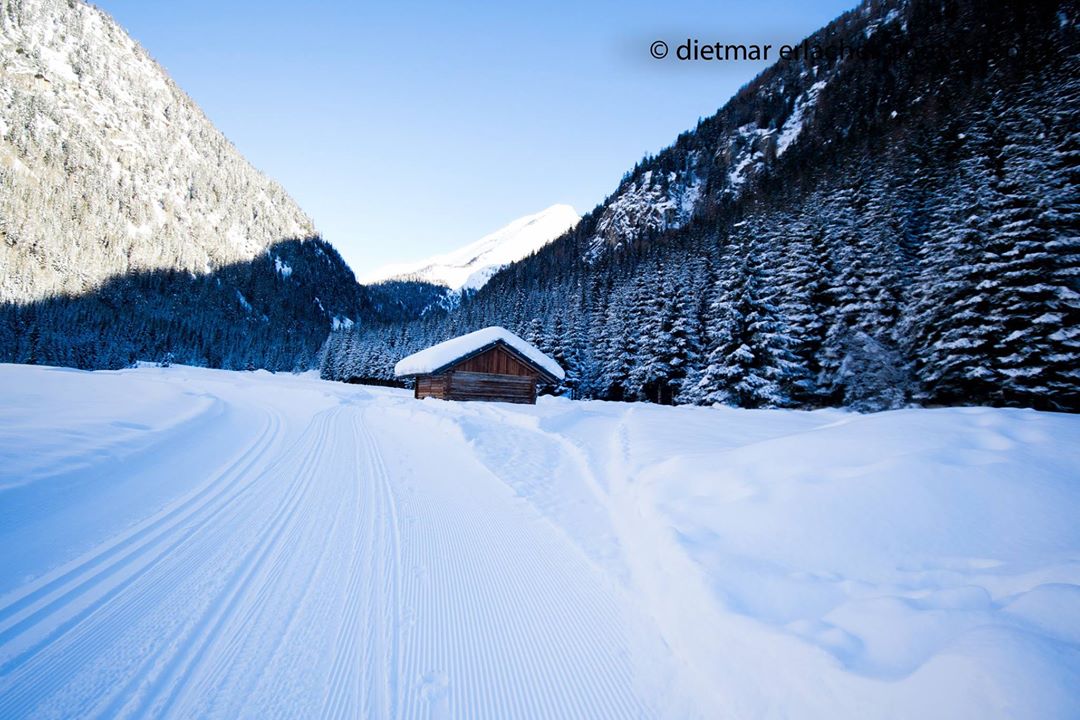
(409, 128)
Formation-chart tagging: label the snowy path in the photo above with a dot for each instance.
(303, 579)
(196, 543)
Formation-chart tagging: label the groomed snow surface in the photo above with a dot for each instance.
(194, 543)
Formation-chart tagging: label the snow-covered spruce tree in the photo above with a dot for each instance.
(836, 217)
(1019, 267)
(595, 340)
(653, 373)
(556, 344)
(795, 253)
(620, 347)
(692, 302)
(863, 309)
(341, 367)
(1060, 214)
(535, 333)
(331, 357)
(643, 321)
(570, 351)
(751, 361)
(951, 341)
(1056, 171)
(326, 356)
(684, 354)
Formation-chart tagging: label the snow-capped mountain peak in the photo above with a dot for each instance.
(471, 266)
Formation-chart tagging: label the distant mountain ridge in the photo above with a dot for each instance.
(471, 266)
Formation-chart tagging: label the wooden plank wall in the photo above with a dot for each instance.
(431, 386)
(489, 386)
(496, 361)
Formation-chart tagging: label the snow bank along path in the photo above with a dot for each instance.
(194, 543)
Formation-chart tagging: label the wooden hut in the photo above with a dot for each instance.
(490, 364)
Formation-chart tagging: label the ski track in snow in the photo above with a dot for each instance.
(306, 580)
(357, 553)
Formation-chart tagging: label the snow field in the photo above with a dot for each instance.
(214, 544)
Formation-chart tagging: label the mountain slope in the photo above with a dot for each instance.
(109, 171)
(779, 113)
(895, 224)
(473, 265)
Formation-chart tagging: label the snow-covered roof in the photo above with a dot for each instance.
(439, 356)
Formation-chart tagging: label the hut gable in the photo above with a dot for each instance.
(489, 364)
(498, 359)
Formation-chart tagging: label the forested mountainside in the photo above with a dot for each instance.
(396, 301)
(899, 224)
(246, 315)
(130, 226)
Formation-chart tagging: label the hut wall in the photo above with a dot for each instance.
(431, 386)
(464, 385)
(496, 361)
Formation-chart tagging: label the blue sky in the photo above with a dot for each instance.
(410, 128)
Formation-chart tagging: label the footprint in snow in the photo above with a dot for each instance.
(435, 690)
